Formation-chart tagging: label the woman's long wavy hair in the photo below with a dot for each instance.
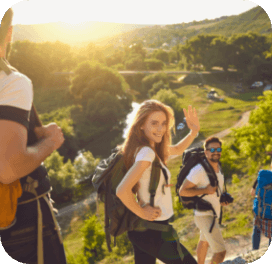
(136, 137)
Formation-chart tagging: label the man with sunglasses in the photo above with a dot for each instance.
(197, 183)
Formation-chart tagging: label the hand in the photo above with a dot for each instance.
(192, 119)
(210, 190)
(169, 185)
(252, 192)
(151, 213)
(50, 132)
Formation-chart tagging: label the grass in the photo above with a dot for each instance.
(211, 112)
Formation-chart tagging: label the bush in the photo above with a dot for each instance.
(157, 87)
(149, 80)
(154, 64)
(93, 239)
(123, 245)
(118, 67)
(177, 205)
(135, 63)
(235, 179)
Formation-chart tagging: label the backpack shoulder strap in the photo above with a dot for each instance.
(210, 172)
(155, 178)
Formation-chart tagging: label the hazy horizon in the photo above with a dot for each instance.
(144, 12)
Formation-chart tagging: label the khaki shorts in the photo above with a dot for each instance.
(215, 238)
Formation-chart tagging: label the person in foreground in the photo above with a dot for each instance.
(34, 236)
(197, 183)
(149, 135)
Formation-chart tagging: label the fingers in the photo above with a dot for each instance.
(152, 213)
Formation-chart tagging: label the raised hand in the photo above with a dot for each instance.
(192, 119)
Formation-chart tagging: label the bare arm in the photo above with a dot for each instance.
(189, 189)
(182, 145)
(125, 194)
(16, 158)
(252, 192)
(193, 124)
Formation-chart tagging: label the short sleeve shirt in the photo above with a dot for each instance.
(16, 95)
(162, 200)
(198, 176)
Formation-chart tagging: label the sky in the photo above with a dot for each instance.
(126, 11)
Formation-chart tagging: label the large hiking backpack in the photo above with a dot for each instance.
(190, 159)
(118, 218)
(263, 199)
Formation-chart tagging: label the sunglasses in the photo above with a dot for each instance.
(212, 150)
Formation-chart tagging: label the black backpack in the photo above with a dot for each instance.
(190, 159)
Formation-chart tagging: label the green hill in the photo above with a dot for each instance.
(255, 20)
(105, 33)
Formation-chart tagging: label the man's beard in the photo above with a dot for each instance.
(215, 160)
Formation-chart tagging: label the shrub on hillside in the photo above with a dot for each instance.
(93, 239)
(154, 64)
(135, 64)
(157, 87)
(149, 80)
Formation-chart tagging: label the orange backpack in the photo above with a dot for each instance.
(9, 193)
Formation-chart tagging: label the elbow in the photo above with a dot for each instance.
(181, 192)
(119, 193)
(7, 175)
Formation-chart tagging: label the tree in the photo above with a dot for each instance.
(103, 95)
(254, 140)
(135, 63)
(154, 64)
(169, 98)
(218, 54)
(196, 48)
(245, 47)
(162, 55)
(149, 80)
(157, 87)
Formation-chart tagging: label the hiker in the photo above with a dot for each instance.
(256, 234)
(197, 183)
(34, 235)
(149, 136)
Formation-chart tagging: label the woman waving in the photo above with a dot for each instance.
(149, 136)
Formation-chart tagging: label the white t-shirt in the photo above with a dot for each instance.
(198, 176)
(16, 95)
(164, 201)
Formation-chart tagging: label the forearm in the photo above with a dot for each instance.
(182, 145)
(128, 199)
(190, 192)
(22, 163)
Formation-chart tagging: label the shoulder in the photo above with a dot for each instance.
(16, 91)
(145, 154)
(198, 169)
